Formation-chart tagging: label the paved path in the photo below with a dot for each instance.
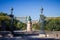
(27, 38)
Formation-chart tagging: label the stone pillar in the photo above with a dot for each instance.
(29, 24)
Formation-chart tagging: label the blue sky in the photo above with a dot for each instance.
(31, 7)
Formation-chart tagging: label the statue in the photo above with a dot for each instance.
(29, 24)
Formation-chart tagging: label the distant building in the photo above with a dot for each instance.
(34, 21)
(48, 18)
(22, 19)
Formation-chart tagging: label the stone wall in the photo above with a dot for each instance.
(53, 34)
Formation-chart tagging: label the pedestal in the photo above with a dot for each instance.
(42, 33)
(29, 26)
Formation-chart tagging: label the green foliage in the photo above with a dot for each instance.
(3, 14)
(17, 25)
(36, 26)
(53, 24)
(4, 17)
(20, 26)
(50, 24)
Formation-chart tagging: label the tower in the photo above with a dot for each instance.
(29, 24)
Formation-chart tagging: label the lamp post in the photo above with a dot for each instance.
(12, 20)
(42, 20)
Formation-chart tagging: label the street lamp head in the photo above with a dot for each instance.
(11, 9)
(11, 15)
(42, 10)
